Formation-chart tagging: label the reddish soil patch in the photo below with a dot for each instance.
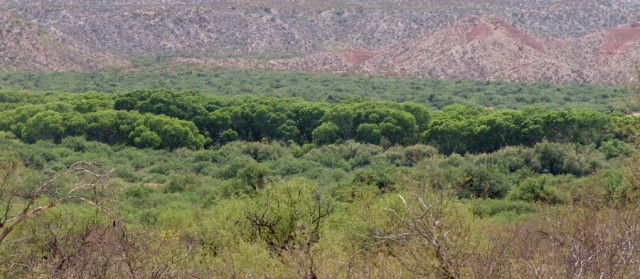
(618, 41)
(479, 31)
(522, 37)
(358, 55)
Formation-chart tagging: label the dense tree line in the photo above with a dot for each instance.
(167, 119)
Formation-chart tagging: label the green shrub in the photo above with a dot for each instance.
(490, 207)
(541, 188)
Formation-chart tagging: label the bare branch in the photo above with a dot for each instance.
(80, 170)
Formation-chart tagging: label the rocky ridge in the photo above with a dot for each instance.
(483, 48)
(529, 40)
(298, 26)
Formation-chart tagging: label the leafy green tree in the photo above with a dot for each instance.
(228, 136)
(174, 132)
(74, 124)
(143, 137)
(287, 131)
(342, 117)
(111, 126)
(369, 133)
(308, 118)
(219, 121)
(419, 112)
(498, 129)
(14, 120)
(182, 105)
(326, 133)
(91, 102)
(47, 125)
(450, 136)
(396, 125)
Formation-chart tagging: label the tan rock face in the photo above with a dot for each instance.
(476, 47)
(298, 26)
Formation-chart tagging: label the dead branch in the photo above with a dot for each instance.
(90, 176)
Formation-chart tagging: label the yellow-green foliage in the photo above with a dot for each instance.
(263, 187)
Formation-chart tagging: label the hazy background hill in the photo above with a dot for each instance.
(25, 46)
(571, 32)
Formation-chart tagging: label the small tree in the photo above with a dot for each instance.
(289, 219)
(327, 133)
(432, 236)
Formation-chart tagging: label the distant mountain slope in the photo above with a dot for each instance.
(483, 48)
(605, 56)
(24, 46)
(298, 26)
(519, 40)
(477, 48)
(488, 48)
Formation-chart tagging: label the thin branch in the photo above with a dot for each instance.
(78, 169)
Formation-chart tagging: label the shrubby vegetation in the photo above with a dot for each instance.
(330, 88)
(256, 186)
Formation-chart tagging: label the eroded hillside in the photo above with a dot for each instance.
(482, 48)
(25, 46)
(551, 40)
(190, 26)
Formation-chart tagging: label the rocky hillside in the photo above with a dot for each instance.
(524, 40)
(25, 46)
(298, 26)
(484, 48)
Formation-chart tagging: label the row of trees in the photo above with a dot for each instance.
(32, 123)
(166, 119)
(463, 129)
